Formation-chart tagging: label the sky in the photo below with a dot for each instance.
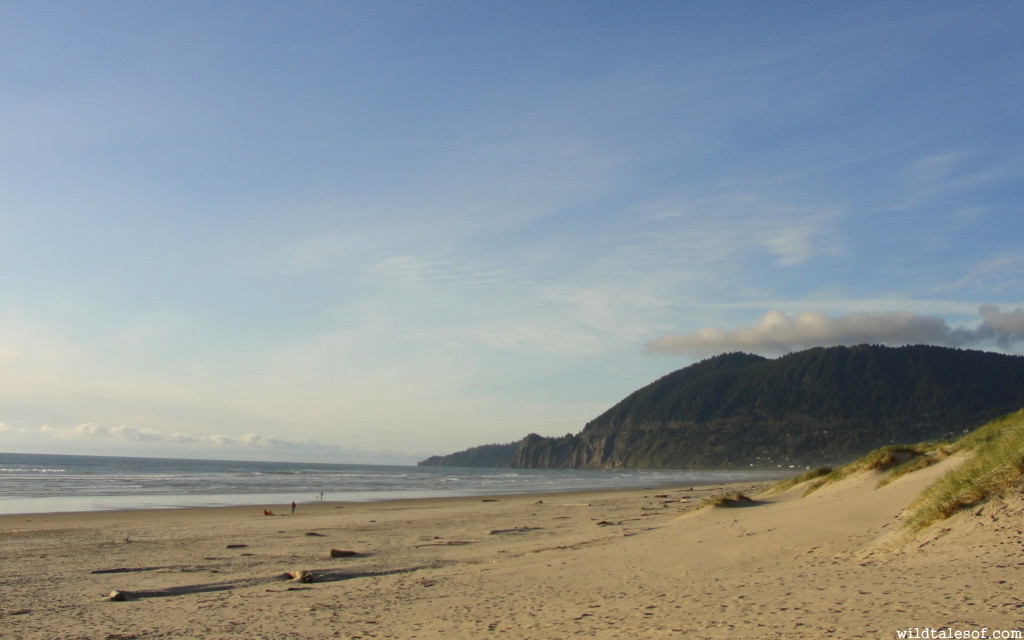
(376, 231)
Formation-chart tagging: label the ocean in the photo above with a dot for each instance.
(41, 483)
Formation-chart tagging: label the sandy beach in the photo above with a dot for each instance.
(622, 564)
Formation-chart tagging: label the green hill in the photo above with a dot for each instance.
(487, 455)
(818, 406)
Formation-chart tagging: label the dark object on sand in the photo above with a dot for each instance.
(734, 500)
(342, 553)
(497, 532)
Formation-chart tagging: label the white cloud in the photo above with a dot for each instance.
(93, 431)
(775, 332)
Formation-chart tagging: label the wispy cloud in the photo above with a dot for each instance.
(802, 239)
(1003, 271)
(720, 229)
(93, 431)
(538, 338)
(91, 436)
(776, 332)
(947, 174)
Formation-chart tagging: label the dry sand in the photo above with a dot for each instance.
(626, 564)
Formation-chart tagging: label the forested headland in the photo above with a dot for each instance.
(818, 406)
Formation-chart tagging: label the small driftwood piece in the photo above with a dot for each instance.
(449, 543)
(128, 569)
(342, 553)
(497, 532)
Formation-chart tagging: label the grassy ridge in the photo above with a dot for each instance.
(806, 476)
(995, 466)
(894, 460)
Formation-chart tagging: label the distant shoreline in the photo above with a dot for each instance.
(121, 504)
(41, 484)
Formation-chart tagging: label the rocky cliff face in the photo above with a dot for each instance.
(568, 452)
(538, 452)
(727, 445)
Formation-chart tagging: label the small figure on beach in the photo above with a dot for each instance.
(321, 496)
(293, 506)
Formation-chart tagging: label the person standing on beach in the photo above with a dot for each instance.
(293, 506)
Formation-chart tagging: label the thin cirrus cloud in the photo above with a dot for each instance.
(776, 332)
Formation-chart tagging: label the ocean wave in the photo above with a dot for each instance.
(73, 477)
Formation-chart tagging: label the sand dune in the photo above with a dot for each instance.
(631, 564)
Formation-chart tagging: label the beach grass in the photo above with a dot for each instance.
(995, 465)
(806, 476)
(896, 460)
(916, 463)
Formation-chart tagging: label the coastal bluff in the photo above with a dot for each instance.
(818, 406)
(487, 455)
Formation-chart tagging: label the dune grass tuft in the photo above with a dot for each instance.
(916, 463)
(806, 476)
(996, 465)
(894, 459)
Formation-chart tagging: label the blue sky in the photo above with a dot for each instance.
(375, 231)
